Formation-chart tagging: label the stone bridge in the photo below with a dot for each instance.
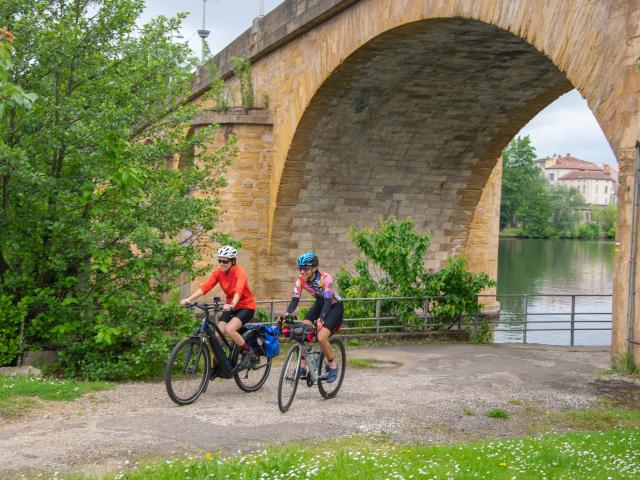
(376, 108)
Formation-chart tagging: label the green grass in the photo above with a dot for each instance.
(468, 411)
(19, 394)
(592, 455)
(498, 413)
(372, 363)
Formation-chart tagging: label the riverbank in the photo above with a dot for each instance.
(517, 232)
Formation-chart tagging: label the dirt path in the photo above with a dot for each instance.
(421, 400)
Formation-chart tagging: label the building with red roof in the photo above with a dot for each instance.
(596, 183)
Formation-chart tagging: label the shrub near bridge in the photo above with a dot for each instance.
(393, 266)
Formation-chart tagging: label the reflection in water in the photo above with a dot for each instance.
(534, 266)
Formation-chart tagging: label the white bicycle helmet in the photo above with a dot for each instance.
(227, 252)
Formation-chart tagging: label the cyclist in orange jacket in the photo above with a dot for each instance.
(239, 307)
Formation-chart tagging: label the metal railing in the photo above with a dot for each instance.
(377, 320)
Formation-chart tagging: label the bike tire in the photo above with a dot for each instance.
(242, 377)
(330, 390)
(187, 371)
(289, 369)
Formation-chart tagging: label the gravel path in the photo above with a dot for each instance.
(423, 400)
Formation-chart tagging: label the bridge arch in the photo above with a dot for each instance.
(411, 124)
(344, 75)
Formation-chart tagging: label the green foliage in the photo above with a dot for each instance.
(96, 225)
(242, 70)
(11, 95)
(605, 217)
(11, 315)
(455, 290)
(625, 364)
(396, 254)
(564, 209)
(483, 335)
(217, 89)
(589, 231)
(498, 413)
(518, 179)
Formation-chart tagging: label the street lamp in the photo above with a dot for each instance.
(203, 33)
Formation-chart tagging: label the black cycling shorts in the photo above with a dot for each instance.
(244, 314)
(333, 319)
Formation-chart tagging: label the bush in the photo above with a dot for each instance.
(397, 252)
(589, 231)
(10, 317)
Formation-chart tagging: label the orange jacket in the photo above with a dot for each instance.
(232, 282)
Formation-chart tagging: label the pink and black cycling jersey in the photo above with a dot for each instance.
(321, 286)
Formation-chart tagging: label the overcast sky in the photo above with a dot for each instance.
(565, 126)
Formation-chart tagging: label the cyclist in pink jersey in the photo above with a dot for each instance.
(327, 310)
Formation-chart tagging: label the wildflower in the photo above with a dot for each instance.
(208, 455)
(503, 464)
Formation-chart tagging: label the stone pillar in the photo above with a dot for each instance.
(620, 328)
(483, 237)
(244, 201)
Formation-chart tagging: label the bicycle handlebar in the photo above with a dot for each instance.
(216, 306)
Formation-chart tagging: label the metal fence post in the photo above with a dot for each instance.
(272, 311)
(21, 344)
(573, 319)
(475, 323)
(526, 309)
(377, 315)
(425, 309)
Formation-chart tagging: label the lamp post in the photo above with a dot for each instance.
(203, 33)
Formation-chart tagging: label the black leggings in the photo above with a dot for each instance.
(333, 319)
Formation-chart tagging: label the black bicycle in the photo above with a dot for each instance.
(189, 367)
(302, 334)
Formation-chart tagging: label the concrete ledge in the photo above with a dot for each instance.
(26, 371)
(289, 20)
(234, 116)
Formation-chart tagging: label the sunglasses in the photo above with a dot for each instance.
(223, 261)
(305, 269)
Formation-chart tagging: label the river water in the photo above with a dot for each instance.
(534, 267)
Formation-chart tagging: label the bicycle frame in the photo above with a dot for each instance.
(223, 363)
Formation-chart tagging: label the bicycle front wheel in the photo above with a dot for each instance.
(330, 390)
(289, 378)
(187, 370)
(252, 378)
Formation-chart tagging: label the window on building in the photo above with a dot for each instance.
(606, 189)
(551, 176)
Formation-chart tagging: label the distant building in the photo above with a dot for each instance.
(596, 183)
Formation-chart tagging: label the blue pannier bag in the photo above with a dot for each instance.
(268, 333)
(271, 345)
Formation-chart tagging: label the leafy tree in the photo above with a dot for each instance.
(564, 208)
(589, 231)
(96, 225)
(605, 216)
(518, 175)
(535, 212)
(11, 96)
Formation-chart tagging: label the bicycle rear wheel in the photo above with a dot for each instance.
(187, 370)
(330, 390)
(252, 378)
(289, 378)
